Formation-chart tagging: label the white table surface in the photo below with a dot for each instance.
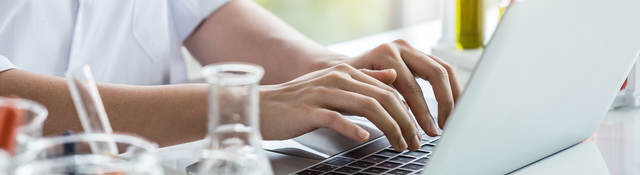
(614, 147)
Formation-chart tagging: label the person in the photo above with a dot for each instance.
(133, 48)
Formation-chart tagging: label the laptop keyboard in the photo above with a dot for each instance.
(375, 157)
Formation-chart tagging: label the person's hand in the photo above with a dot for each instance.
(409, 62)
(318, 100)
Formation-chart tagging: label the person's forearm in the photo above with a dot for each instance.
(168, 114)
(244, 31)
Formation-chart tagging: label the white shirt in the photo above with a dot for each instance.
(124, 41)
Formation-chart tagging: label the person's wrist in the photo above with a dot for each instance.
(327, 62)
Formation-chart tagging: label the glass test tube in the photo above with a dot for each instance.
(88, 103)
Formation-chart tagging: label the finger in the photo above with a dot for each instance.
(387, 76)
(407, 86)
(412, 93)
(358, 104)
(437, 75)
(453, 78)
(335, 121)
(386, 96)
(359, 82)
(415, 124)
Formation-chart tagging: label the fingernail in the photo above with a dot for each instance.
(416, 142)
(364, 135)
(434, 126)
(403, 145)
(435, 131)
(391, 70)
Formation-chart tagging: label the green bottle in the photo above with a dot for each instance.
(469, 24)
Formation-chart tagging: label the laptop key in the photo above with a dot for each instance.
(388, 153)
(334, 173)
(375, 170)
(339, 161)
(367, 149)
(426, 147)
(323, 167)
(426, 139)
(403, 159)
(348, 169)
(375, 159)
(416, 153)
(309, 172)
(361, 164)
(435, 141)
(399, 172)
(389, 165)
(422, 160)
(413, 166)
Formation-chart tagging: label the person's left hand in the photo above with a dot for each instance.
(408, 63)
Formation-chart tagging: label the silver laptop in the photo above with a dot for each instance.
(544, 83)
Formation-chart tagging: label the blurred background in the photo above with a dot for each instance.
(333, 21)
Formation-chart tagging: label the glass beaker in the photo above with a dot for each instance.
(31, 115)
(233, 130)
(65, 155)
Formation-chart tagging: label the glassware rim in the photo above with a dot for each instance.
(254, 73)
(39, 145)
(30, 105)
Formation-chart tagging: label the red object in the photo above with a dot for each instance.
(9, 121)
(624, 85)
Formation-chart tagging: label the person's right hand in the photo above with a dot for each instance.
(319, 99)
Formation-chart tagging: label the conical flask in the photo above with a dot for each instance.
(233, 129)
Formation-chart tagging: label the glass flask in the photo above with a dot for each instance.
(233, 128)
(66, 155)
(31, 116)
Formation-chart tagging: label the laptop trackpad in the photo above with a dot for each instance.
(330, 142)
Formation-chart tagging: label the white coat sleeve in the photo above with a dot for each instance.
(188, 14)
(5, 64)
